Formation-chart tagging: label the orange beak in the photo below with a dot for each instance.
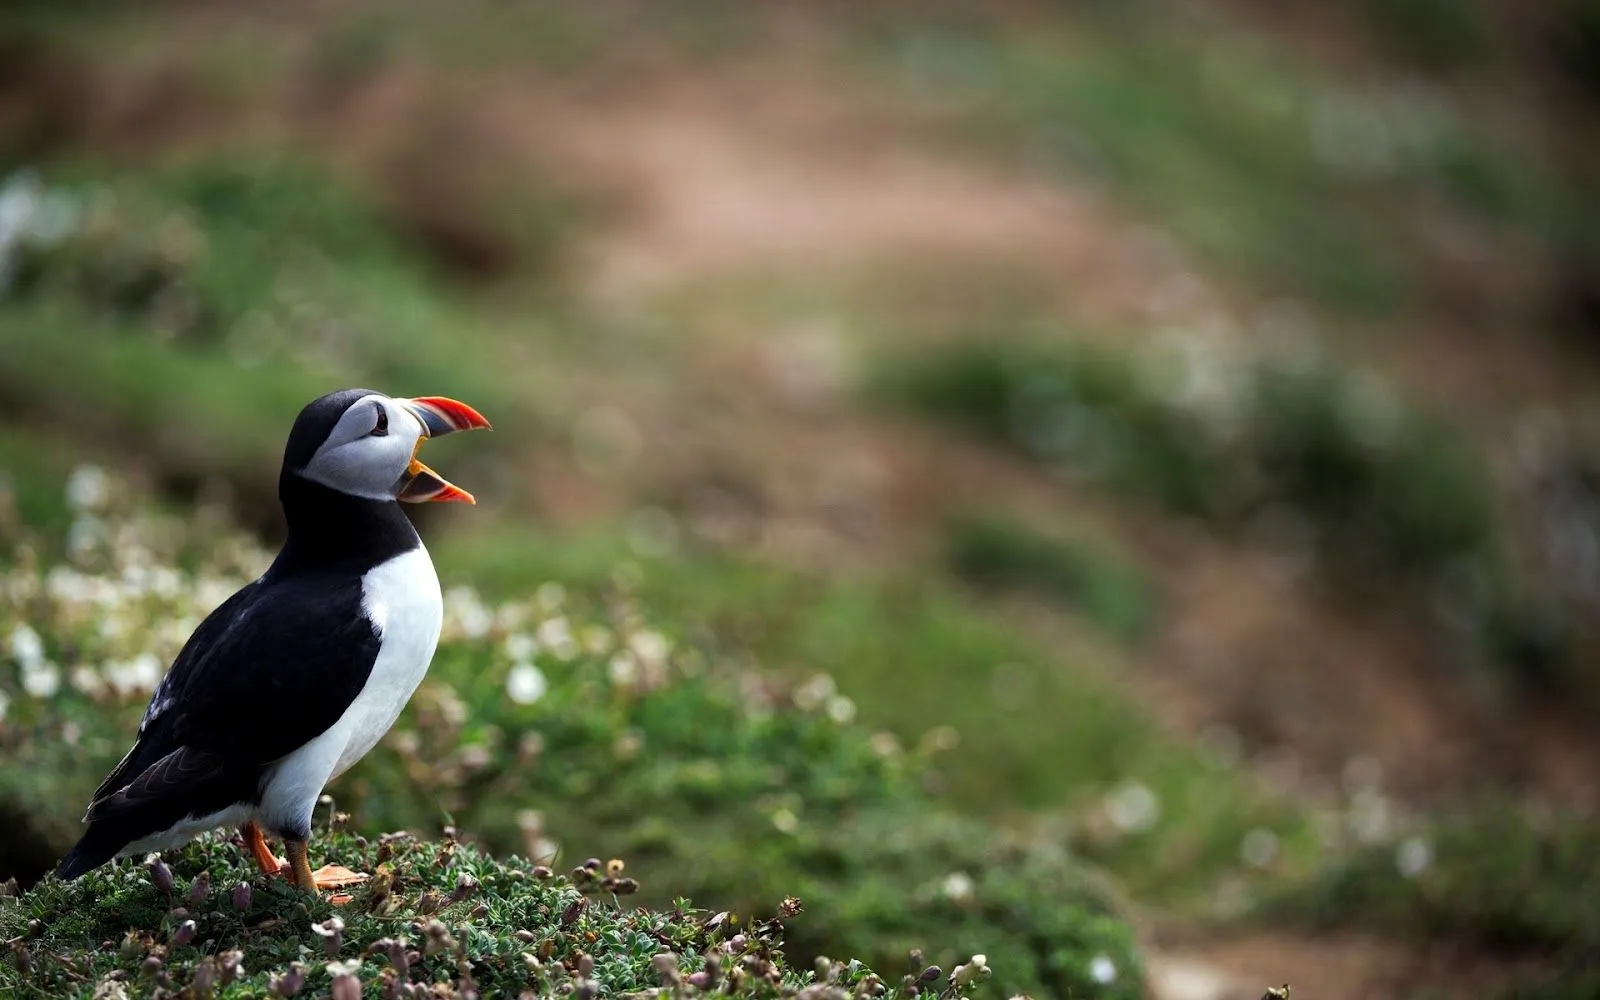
(438, 416)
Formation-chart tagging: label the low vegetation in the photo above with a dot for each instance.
(1003, 554)
(1323, 465)
(1495, 880)
(549, 723)
(436, 919)
(1263, 164)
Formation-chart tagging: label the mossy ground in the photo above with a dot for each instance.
(439, 918)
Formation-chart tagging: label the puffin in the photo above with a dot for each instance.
(296, 676)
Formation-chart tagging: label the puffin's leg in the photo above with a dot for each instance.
(299, 867)
(326, 877)
(265, 859)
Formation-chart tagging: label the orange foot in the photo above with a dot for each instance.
(326, 877)
(265, 859)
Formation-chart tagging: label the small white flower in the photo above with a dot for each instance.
(1370, 817)
(1133, 807)
(841, 709)
(466, 612)
(939, 739)
(651, 646)
(88, 488)
(508, 617)
(525, 684)
(135, 676)
(550, 596)
(555, 634)
(85, 536)
(623, 668)
(1102, 970)
(814, 693)
(884, 744)
(958, 886)
(85, 680)
(520, 646)
(26, 646)
(474, 756)
(1258, 848)
(1413, 856)
(41, 681)
(786, 821)
(146, 670)
(211, 591)
(165, 581)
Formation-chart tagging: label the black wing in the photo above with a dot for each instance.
(271, 669)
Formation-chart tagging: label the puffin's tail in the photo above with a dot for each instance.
(98, 846)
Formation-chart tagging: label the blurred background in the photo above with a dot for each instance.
(1176, 420)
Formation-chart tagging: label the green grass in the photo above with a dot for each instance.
(1256, 161)
(1038, 729)
(1381, 487)
(672, 748)
(999, 554)
(201, 301)
(1381, 500)
(1495, 880)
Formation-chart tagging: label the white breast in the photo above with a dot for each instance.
(402, 598)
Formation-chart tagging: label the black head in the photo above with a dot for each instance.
(315, 423)
(364, 444)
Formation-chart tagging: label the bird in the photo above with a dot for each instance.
(299, 673)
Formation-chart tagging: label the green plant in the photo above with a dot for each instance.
(192, 304)
(997, 553)
(1380, 497)
(1495, 878)
(1093, 412)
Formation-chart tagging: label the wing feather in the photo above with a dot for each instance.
(269, 670)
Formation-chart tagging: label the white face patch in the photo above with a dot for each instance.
(368, 450)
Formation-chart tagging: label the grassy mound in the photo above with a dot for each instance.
(439, 919)
(550, 721)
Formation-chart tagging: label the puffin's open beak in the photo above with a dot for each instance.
(439, 416)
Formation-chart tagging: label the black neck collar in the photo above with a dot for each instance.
(330, 530)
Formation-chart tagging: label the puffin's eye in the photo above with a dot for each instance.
(383, 423)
